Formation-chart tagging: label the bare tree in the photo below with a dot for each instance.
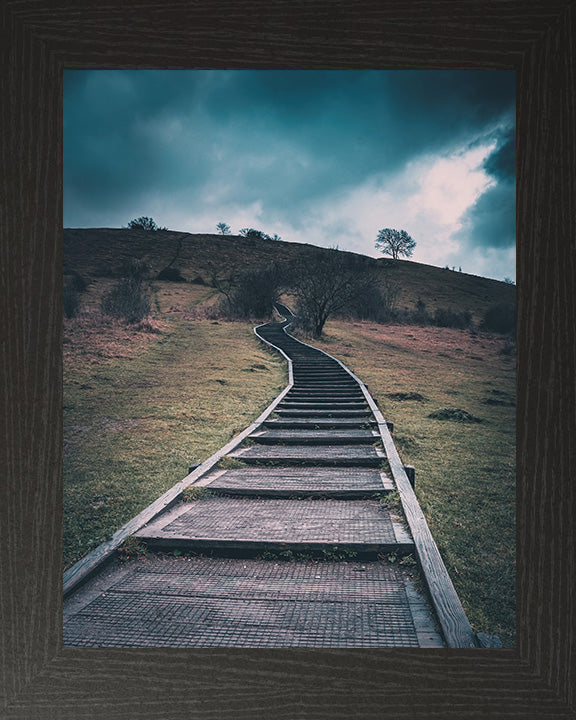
(395, 243)
(327, 283)
(224, 279)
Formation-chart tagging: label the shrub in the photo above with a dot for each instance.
(455, 414)
(171, 274)
(105, 270)
(148, 325)
(373, 305)
(406, 396)
(143, 223)
(127, 300)
(252, 234)
(70, 300)
(500, 318)
(421, 315)
(72, 277)
(134, 268)
(254, 293)
(445, 317)
(509, 347)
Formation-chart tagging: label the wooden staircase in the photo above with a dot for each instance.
(291, 541)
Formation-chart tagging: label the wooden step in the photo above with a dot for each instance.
(316, 390)
(323, 413)
(320, 423)
(321, 384)
(327, 398)
(215, 602)
(318, 405)
(332, 455)
(314, 437)
(327, 377)
(327, 393)
(256, 524)
(290, 481)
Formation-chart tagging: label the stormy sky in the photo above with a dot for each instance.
(325, 157)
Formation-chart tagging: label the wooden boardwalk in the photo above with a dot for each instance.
(291, 542)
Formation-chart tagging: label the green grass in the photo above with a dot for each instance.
(140, 407)
(143, 404)
(195, 492)
(465, 472)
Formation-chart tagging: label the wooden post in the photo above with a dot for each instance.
(411, 472)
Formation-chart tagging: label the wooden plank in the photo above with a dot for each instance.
(317, 405)
(324, 413)
(313, 436)
(318, 423)
(350, 455)
(292, 481)
(221, 522)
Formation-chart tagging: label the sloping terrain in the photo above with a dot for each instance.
(143, 402)
(99, 252)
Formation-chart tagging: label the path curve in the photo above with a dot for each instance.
(308, 479)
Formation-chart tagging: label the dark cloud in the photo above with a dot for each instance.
(491, 221)
(285, 140)
(501, 164)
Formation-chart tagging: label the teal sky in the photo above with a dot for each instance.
(326, 157)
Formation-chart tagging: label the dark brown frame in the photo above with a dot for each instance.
(40, 679)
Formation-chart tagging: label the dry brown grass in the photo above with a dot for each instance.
(92, 337)
(94, 252)
(465, 472)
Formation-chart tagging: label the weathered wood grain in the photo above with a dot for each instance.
(258, 523)
(320, 423)
(39, 681)
(289, 482)
(341, 455)
(314, 437)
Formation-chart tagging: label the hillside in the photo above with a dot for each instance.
(97, 253)
(144, 401)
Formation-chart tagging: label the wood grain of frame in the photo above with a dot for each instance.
(39, 679)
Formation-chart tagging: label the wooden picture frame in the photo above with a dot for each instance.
(41, 680)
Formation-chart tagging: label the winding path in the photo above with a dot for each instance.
(307, 481)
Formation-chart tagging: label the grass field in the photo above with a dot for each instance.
(142, 403)
(140, 407)
(465, 471)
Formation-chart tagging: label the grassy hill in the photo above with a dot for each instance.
(97, 254)
(144, 401)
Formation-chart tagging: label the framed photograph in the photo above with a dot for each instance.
(44, 679)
